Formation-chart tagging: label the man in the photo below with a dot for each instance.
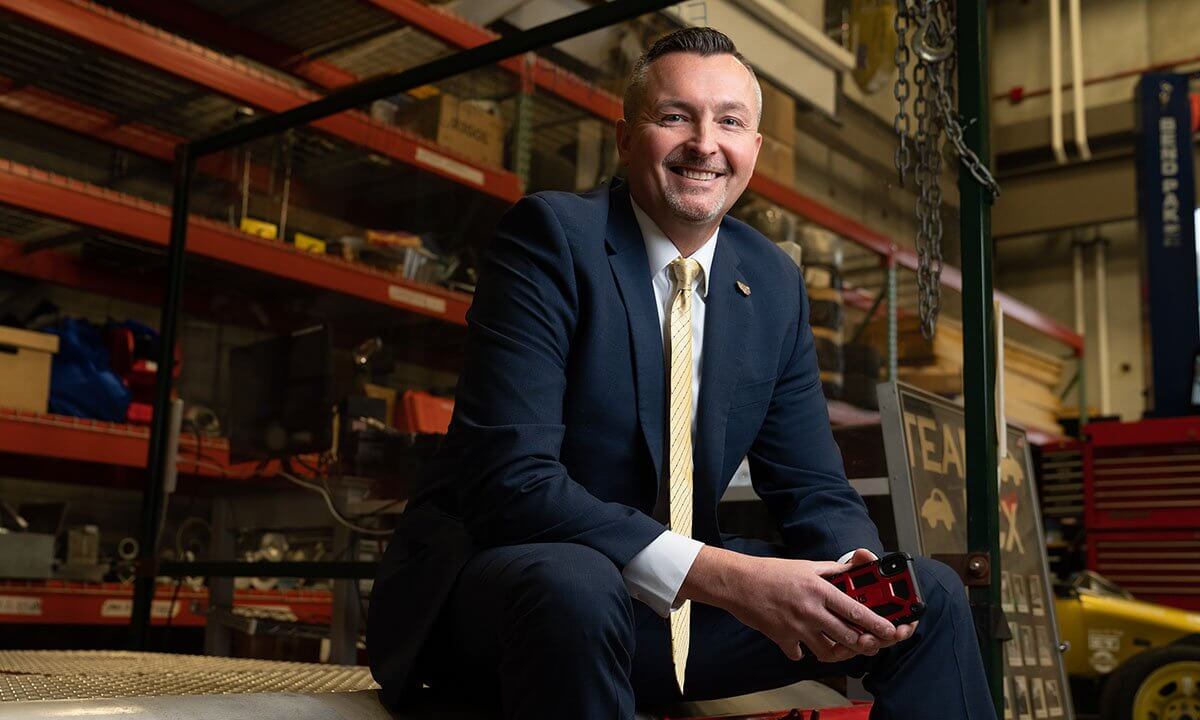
(627, 348)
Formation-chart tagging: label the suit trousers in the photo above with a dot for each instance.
(550, 631)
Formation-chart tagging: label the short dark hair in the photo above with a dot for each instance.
(703, 41)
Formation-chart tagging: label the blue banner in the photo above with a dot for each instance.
(1166, 213)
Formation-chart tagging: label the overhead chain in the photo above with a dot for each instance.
(902, 124)
(932, 42)
(929, 208)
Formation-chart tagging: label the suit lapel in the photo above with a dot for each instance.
(631, 268)
(727, 314)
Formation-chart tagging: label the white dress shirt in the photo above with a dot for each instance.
(655, 574)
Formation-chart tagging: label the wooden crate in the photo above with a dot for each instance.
(1031, 377)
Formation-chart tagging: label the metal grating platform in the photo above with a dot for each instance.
(85, 675)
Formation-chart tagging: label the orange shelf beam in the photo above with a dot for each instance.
(69, 438)
(83, 204)
(57, 602)
(137, 41)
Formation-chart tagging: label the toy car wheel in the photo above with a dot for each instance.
(1160, 684)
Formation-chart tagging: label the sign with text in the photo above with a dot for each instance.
(1166, 207)
(925, 437)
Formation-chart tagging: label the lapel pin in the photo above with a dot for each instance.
(743, 288)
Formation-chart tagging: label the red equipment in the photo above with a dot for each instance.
(888, 586)
(1142, 506)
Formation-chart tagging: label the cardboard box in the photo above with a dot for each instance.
(25, 369)
(466, 129)
(779, 113)
(777, 161)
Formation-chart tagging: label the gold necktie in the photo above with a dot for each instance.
(684, 271)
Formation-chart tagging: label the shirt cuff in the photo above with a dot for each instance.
(655, 574)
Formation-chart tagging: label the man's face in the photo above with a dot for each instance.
(691, 149)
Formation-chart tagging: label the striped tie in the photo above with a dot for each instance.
(684, 272)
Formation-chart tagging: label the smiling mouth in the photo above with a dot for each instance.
(693, 174)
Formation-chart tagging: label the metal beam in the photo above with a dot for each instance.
(1074, 195)
(979, 340)
(154, 499)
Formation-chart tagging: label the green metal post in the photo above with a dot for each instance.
(892, 313)
(979, 351)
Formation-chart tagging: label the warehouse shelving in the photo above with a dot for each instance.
(82, 204)
(127, 216)
(207, 88)
(142, 43)
(134, 41)
(57, 602)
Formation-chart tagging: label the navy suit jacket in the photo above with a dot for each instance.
(560, 415)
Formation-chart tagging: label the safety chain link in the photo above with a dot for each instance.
(933, 75)
(902, 124)
(929, 207)
(954, 131)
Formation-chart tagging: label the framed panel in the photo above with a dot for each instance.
(925, 440)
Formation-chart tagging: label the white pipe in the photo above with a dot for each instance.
(1102, 326)
(1081, 138)
(1056, 125)
(171, 462)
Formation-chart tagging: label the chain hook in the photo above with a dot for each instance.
(927, 47)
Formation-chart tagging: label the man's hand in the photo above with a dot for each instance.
(791, 603)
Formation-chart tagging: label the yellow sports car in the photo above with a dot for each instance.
(1128, 659)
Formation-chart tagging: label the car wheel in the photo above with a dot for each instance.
(1159, 684)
